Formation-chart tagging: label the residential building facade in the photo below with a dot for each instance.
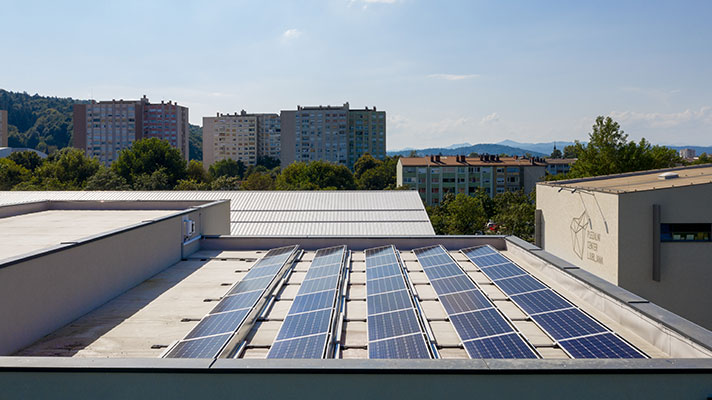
(435, 176)
(555, 166)
(336, 134)
(367, 134)
(230, 136)
(3, 128)
(102, 129)
(269, 134)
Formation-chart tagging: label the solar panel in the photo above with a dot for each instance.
(389, 301)
(319, 284)
(502, 271)
(218, 323)
(410, 346)
(452, 284)
(510, 345)
(577, 333)
(443, 271)
(519, 284)
(309, 323)
(395, 323)
(471, 313)
(569, 323)
(389, 284)
(312, 301)
(305, 330)
(541, 301)
(238, 301)
(605, 345)
(230, 313)
(394, 330)
(464, 301)
(303, 347)
(199, 348)
(480, 323)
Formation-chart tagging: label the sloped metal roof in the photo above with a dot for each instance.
(285, 213)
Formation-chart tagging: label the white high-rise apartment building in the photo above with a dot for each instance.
(230, 136)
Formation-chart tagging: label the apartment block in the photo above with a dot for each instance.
(367, 134)
(230, 136)
(102, 129)
(335, 134)
(3, 128)
(269, 133)
(435, 176)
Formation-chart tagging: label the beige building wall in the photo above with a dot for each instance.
(582, 228)
(3, 128)
(230, 136)
(613, 236)
(685, 285)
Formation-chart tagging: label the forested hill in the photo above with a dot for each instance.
(45, 123)
(38, 122)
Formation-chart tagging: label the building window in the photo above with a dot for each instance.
(685, 232)
(435, 179)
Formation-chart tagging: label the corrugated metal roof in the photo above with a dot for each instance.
(285, 213)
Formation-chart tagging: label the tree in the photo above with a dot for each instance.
(27, 159)
(191, 184)
(556, 153)
(195, 142)
(11, 174)
(106, 179)
(66, 169)
(609, 152)
(157, 180)
(514, 214)
(702, 159)
(196, 172)
(459, 215)
(258, 181)
(147, 157)
(570, 151)
(268, 162)
(365, 163)
(227, 167)
(316, 175)
(225, 183)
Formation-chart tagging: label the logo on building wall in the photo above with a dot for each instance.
(584, 239)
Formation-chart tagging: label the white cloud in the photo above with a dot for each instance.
(291, 34)
(489, 119)
(664, 120)
(453, 77)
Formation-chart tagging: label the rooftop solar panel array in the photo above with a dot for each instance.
(394, 330)
(306, 329)
(576, 333)
(484, 331)
(211, 334)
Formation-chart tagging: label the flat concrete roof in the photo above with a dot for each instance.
(641, 181)
(27, 233)
(142, 322)
(283, 213)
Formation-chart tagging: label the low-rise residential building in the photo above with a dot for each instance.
(649, 232)
(555, 166)
(687, 154)
(3, 128)
(435, 176)
(102, 129)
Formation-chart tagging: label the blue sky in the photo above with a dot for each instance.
(445, 71)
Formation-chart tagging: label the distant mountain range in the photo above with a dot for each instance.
(512, 148)
(467, 149)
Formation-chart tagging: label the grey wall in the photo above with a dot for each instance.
(686, 268)
(342, 379)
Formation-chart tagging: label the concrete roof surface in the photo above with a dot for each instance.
(640, 181)
(285, 213)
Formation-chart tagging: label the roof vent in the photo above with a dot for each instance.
(668, 175)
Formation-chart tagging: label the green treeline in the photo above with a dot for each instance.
(152, 164)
